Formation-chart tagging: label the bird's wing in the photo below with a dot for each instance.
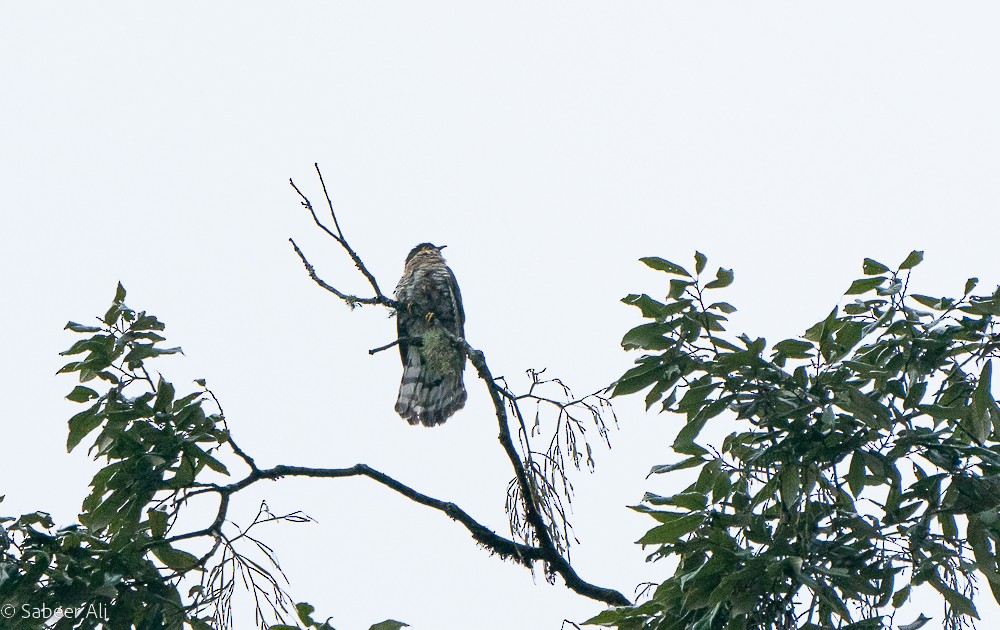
(456, 300)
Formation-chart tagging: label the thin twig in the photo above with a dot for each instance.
(385, 347)
(352, 300)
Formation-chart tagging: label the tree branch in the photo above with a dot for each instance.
(504, 547)
(547, 550)
(339, 236)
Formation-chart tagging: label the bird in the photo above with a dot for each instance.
(429, 302)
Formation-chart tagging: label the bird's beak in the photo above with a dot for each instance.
(442, 247)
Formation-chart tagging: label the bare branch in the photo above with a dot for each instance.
(385, 347)
(536, 486)
(339, 236)
(351, 300)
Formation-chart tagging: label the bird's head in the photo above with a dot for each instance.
(425, 249)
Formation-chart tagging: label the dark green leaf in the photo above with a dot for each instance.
(790, 485)
(901, 596)
(146, 322)
(610, 617)
(677, 288)
(650, 308)
(176, 559)
(305, 610)
(389, 624)
(638, 378)
(82, 394)
(915, 395)
(864, 285)
(82, 424)
(723, 278)
(959, 603)
(699, 262)
(660, 264)
(795, 348)
(690, 462)
(80, 328)
(912, 260)
(164, 395)
(651, 336)
(873, 267)
(157, 523)
(671, 532)
(938, 304)
(725, 307)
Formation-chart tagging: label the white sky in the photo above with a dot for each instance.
(549, 145)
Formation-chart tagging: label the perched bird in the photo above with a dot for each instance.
(432, 388)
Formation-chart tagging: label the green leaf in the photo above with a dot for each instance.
(856, 474)
(864, 285)
(660, 264)
(915, 395)
(146, 322)
(699, 262)
(983, 405)
(389, 624)
(82, 424)
(80, 328)
(958, 602)
(970, 284)
(986, 560)
(790, 485)
(650, 308)
(795, 348)
(725, 307)
(176, 559)
(677, 288)
(870, 411)
(650, 336)
(164, 395)
(938, 304)
(673, 531)
(912, 260)
(157, 522)
(873, 267)
(81, 394)
(723, 278)
(900, 597)
(692, 501)
(610, 617)
(638, 378)
(690, 462)
(120, 293)
(305, 610)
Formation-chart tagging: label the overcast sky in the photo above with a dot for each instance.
(549, 145)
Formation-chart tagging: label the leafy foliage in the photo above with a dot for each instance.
(866, 462)
(120, 567)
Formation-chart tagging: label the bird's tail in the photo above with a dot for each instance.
(426, 398)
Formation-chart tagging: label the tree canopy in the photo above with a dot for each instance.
(864, 460)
